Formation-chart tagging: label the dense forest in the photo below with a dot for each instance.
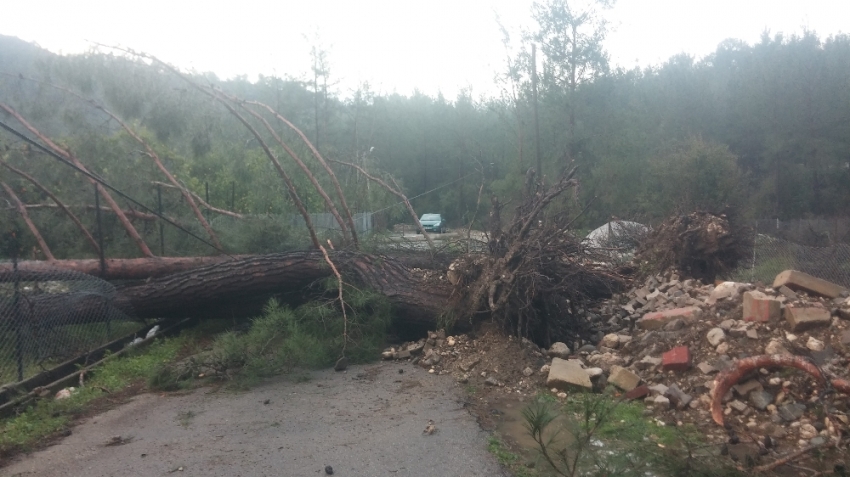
(762, 129)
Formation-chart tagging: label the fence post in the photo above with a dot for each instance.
(16, 307)
(207, 187)
(99, 231)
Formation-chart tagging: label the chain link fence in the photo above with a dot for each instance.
(774, 251)
(49, 317)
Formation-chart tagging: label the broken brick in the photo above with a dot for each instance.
(656, 320)
(677, 359)
(760, 307)
(638, 392)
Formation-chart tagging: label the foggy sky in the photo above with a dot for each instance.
(396, 45)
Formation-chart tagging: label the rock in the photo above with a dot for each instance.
(594, 372)
(467, 365)
(715, 336)
(656, 320)
(329, 470)
(674, 325)
(727, 325)
(775, 347)
(588, 348)
(610, 341)
(388, 354)
(637, 393)
(804, 318)
(722, 348)
(544, 369)
(791, 412)
(845, 338)
(808, 431)
(760, 399)
(416, 349)
(451, 341)
(746, 453)
(738, 406)
(491, 381)
(746, 388)
(752, 334)
(677, 397)
(63, 393)
(527, 372)
(706, 368)
(658, 388)
(661, 401)
(788, 293)
(403, 354)
(802, 281)
(341, 364)
(648, 362)
(814, 344)
(623, 378)
(563, 374)
(817, 441)
(559, 350)
(760, 307)
(606, 360)
(723, 291)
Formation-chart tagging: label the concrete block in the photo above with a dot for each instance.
(804, 318)
(623, 378)
(563, 374)
(803, 281)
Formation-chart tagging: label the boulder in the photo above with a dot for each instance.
(559, 350)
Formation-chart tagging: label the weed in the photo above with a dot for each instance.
(185, 418)
(47, 417)
(507, 458)
(609, 437)
(310, 336)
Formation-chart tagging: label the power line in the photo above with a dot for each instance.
(424, 193)
(104, 184)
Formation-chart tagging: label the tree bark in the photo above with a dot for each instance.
(241, 286)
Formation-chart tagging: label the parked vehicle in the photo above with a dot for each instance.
(433, 223)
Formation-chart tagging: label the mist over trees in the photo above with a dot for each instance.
(762, 128)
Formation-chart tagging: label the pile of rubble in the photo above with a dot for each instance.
(669, 341)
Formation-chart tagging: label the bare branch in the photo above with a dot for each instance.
(23, 211)
(58, 203)
(131, 231)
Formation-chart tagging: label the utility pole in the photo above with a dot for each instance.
(536, 116)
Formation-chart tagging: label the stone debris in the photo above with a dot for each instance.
(646, 343)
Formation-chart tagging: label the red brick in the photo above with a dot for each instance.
(760, 307)
(638, 392)
(657, 319)
(677, 359)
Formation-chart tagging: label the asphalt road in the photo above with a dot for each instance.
(367, 421)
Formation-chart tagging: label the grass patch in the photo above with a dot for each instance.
(185, 418)
(604, 436)
(48, 417)
(507, 458)
(311, 336)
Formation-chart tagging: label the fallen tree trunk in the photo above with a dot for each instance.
(119, 268)
(239, 286)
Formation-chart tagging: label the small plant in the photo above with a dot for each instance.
(602, 436)
(185, 418)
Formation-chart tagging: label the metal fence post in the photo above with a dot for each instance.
(161, 228)
(102, 252)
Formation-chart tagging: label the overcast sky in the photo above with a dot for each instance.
(396, 45)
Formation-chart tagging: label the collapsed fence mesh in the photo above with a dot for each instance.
(772, 255)
(49, 317)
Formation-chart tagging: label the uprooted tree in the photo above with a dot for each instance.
(533, 275)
